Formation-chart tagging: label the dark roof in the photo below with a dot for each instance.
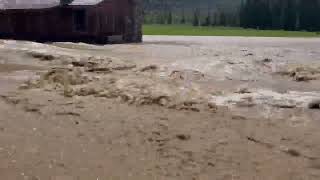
(39, 4)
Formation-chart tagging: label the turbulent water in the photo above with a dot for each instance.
(169, 108)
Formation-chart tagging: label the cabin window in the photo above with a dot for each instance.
(80, 20)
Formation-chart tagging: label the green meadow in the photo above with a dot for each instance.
(188, 30)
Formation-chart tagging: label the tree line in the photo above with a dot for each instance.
(196, 18)
(281, 14)
(258, 14)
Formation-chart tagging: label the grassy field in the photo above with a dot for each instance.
(188, 30)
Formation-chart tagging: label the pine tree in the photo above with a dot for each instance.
(169, 20)
(207, 21)
(196, 20)
(223, 19)
(290, 15)
(183, 18)
(161, 19)
(309, 14)
(215, 20)
(243, 20)
(317, 19)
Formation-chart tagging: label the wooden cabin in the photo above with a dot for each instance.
(92, 21)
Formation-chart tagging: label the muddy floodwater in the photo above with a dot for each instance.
(170, 108)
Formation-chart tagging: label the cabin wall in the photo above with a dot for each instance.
(121, 17)
(56, 24)
(5, 27)
(137, 16)
(108, 18)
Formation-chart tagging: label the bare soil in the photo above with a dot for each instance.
(171, 108)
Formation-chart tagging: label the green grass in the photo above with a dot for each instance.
(188, 30)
